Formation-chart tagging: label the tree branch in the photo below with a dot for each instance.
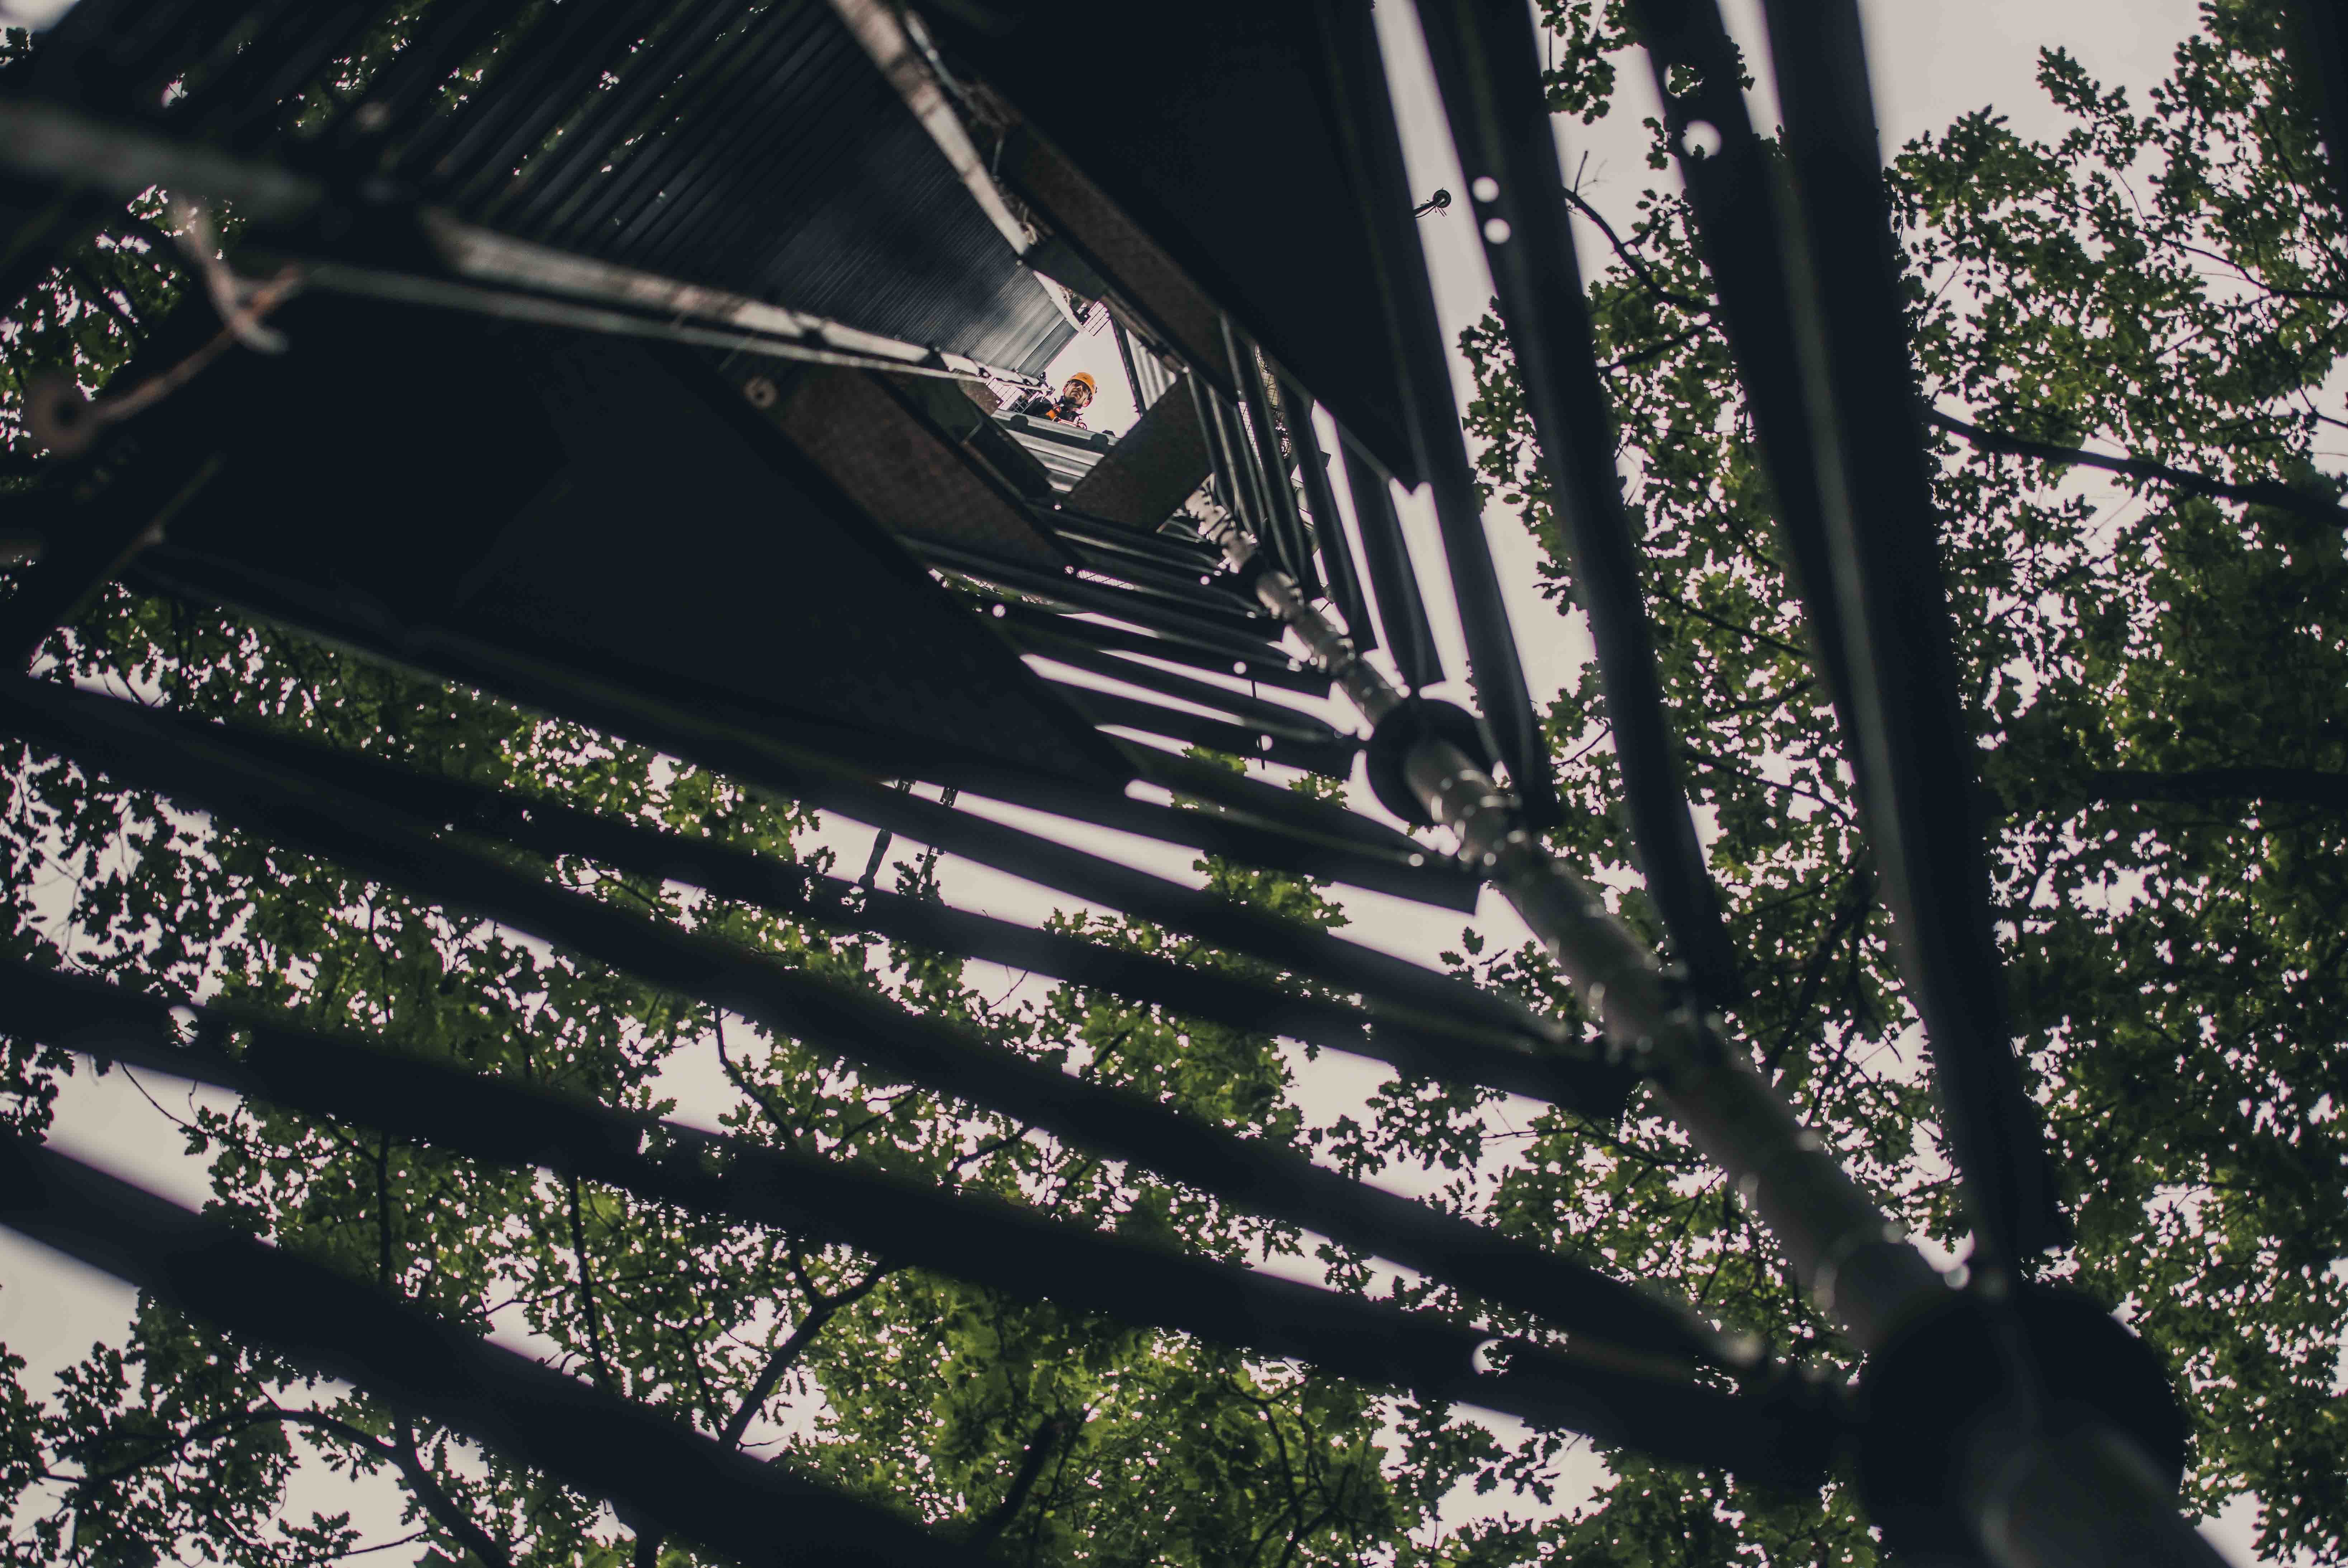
(161, 245)
(1652, 351)
(987, 1531)
(172, 1451)
(1631, 259)
(91, 289)
(405, 1454)
(2201, 785)
(587, 1295)
(1736, 628)
(1858, 894)
(988, 1149)
(648, 1539)
(2259, 493)
(1722, 764)
(387, 1267)
(1059, 1478)
(787, 1353)
(442, 1507)
(790, 1135)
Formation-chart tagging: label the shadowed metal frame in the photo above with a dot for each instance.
(1806, 272)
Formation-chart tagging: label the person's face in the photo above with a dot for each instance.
(1076, 392)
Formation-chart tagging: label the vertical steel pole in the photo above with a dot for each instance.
(1328, 527)
(2085, 1497)
(1125, 356)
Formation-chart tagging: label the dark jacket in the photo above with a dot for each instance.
(1046, 405)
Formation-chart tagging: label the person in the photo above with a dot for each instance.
(1068, 408)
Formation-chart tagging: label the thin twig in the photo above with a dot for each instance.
(2259, 493)
(1631, 259)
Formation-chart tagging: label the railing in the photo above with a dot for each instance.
(1066, 453)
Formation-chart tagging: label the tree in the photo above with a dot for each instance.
(2148, 683)
(1043, 1432)
(1011, 1423)
(2150, 666)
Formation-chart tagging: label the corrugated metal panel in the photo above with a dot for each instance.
(1213, 168)
(1066, 455)
(754, 146)
(763, 601)
(778, 162)
(1153, 377)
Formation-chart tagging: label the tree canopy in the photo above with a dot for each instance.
(2126, 340)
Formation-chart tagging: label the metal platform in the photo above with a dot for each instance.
(1067, 454)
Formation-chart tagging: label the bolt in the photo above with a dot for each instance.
(761, 391)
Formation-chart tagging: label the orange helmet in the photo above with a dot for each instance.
(1085, 377)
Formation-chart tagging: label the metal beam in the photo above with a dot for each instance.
(1272, 802)
(1870, 1278)
(1782, 1434)
(63, 147)
(479, 270)
(882, 30)
(1487, 65)
(2315, 41)
(1270, 471)
(2035, 1494)
(1251, 661)
(1239, 704)
(652, 1467)
(1227, 617)
(1698, 76)
(778, 764)
(1358, 81)
(1328, 525)
(1439, 1045)
(1917, 752)
(1329, 755)
(1394, 580)
(873, 1032)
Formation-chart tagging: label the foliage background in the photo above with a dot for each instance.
(2164, 279)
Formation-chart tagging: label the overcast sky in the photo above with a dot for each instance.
(1932, 61)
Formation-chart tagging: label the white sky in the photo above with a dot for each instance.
(1932, 61)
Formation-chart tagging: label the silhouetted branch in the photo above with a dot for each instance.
(2260, 492)
(2202, 785)
(604, 1378)
(1859, 896)
(441, 1506)
(408, 1460)
(1040, 1448)
(787, 1355)
(1631, 259)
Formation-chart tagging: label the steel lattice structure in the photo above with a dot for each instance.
(731, 261)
